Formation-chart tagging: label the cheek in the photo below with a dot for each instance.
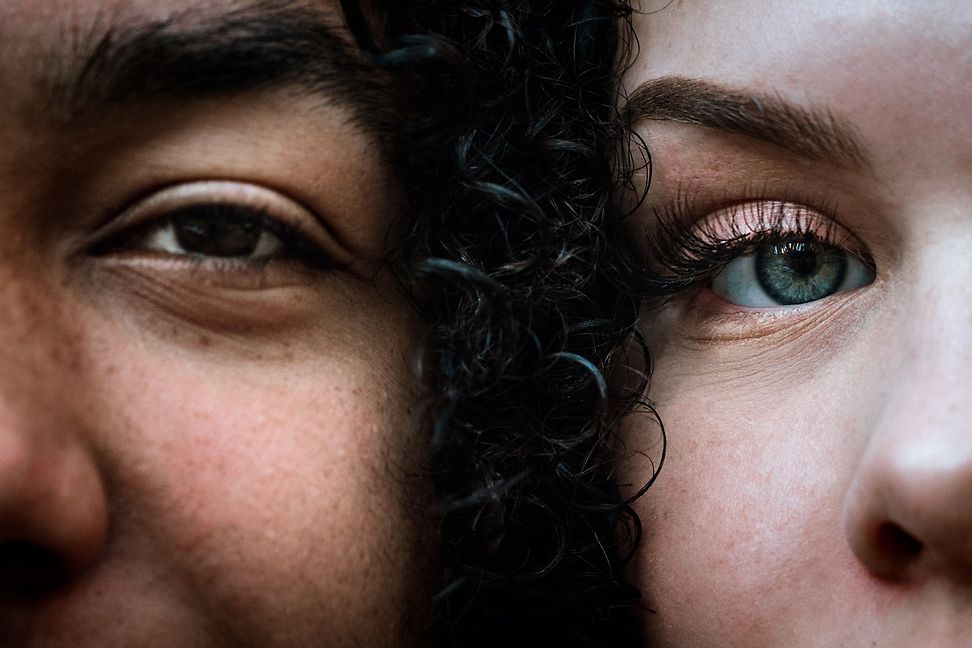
(283, 495)
(744, 524)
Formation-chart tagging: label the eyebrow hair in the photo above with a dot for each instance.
(198, 55)
(811, 133)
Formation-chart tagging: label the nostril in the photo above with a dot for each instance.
(897, 544)
(28, 569)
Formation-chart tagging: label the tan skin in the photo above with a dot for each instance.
(199, 448)
(818, 480)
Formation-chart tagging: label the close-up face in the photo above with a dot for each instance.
(208, 423)
(808, 226)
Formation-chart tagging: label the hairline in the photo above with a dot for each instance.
(193, 54)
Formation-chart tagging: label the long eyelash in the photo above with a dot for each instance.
(684, 255)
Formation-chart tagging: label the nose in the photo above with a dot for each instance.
(908, 512)
(53, 508)
(53, 513)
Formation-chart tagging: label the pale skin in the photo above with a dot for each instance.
(195, 449)
(817, 489)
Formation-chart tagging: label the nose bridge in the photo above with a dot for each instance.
(935, 363)
(38, 367)
(937, 326)
(36, 341)
(910, 506)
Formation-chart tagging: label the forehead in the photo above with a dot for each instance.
(887, 67)
(45, 21)
(787, 36)
(33, 30)
(48, 45)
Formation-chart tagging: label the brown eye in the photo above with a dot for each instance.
(224, 231)
(229, 227)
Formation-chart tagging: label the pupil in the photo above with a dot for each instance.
(216, 235)
(802, 258)
(798, 273)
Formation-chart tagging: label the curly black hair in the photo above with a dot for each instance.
(513, 254)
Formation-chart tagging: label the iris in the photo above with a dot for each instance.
(222, 236)
(800, 272)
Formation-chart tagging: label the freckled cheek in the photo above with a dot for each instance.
(746, 512)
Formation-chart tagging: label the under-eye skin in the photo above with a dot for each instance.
(219, 227)
(760, 254)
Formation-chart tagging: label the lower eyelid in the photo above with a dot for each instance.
(708, 318)
(231, 274)
(163, 297)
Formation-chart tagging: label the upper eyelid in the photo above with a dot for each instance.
(749, 218)
(694, 201)
(260, 200)
(778, 218)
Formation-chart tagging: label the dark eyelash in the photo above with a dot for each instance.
(684, 254)
(295, 242)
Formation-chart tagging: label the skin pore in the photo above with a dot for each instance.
(818, 473)
(207, 433)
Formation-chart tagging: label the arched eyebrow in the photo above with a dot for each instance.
(814, 134)
(201, 54)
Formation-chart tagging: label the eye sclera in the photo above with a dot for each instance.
(745, 281)
(244, 196)
(685, 252)
(789, 242)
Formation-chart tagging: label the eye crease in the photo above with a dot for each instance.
(221, 226)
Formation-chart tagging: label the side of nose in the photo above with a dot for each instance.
(53, 512)
(908, 512)
(53, 507)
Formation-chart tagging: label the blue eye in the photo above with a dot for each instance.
(786, 273)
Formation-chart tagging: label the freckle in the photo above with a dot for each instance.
(205, 340)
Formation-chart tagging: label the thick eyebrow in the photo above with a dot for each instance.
(811, 133)
(202, 54)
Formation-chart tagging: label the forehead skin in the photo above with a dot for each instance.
(236, 458)
(774, 436)
(813, 54)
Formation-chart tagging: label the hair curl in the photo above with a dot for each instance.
(513, 254)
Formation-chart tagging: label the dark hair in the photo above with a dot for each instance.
(513, 254)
